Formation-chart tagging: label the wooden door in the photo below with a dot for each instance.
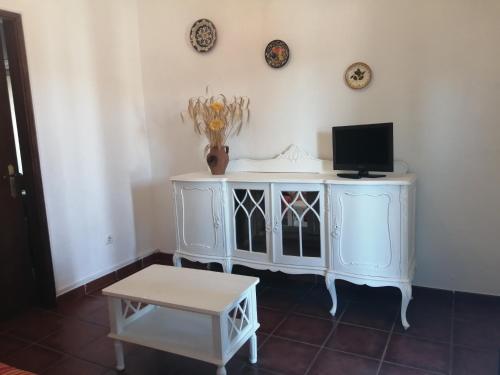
(17, 285)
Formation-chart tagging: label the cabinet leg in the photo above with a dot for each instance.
(120, 361)
(221, 370)
(253, 349)
(177, 260)
(227, 266)
(330, 285)
(406, 296)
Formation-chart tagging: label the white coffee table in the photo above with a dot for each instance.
(194, 313)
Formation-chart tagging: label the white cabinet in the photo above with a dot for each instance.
(200, 223)
(361, 231)
(372, 237)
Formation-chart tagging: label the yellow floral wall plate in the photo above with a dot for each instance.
(358, 75)
(277, 54)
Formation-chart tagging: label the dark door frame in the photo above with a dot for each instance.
(38, 233)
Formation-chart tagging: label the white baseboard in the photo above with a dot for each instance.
(101, 273)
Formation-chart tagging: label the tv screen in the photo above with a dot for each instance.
(363, 148)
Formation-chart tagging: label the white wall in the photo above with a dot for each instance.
(85, 72)
(435, 76)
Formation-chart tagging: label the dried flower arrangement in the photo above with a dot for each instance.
(218, 119)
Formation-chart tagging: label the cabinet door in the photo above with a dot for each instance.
(200, 228)
(250, 220)
(298, 224)
(366, 230)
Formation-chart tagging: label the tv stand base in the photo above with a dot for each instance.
(359, 175)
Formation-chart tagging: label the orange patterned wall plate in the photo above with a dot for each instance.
(277, 53)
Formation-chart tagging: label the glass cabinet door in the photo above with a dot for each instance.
(298, 224)
(250, 220)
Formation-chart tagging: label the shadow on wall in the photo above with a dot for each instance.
(324, 142)
(164, 210)
(142, 194)
(178, 155)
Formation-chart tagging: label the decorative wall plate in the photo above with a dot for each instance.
(203, 35)
(358, 75)
(277, 53)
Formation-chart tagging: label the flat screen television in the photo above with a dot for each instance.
(363, 148)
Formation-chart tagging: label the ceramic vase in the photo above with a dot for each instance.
(218, 159)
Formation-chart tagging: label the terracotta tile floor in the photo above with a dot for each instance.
(450, 334)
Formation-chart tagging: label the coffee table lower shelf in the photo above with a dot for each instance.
(175, 331)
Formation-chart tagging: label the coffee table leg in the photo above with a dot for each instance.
(253, 349)
(120, 362)
(221, 370)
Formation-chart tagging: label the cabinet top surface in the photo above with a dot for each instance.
(318, 178)
(183, 288)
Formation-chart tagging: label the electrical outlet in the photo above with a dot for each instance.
(109, 240)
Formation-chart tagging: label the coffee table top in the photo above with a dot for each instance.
(189, 289)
